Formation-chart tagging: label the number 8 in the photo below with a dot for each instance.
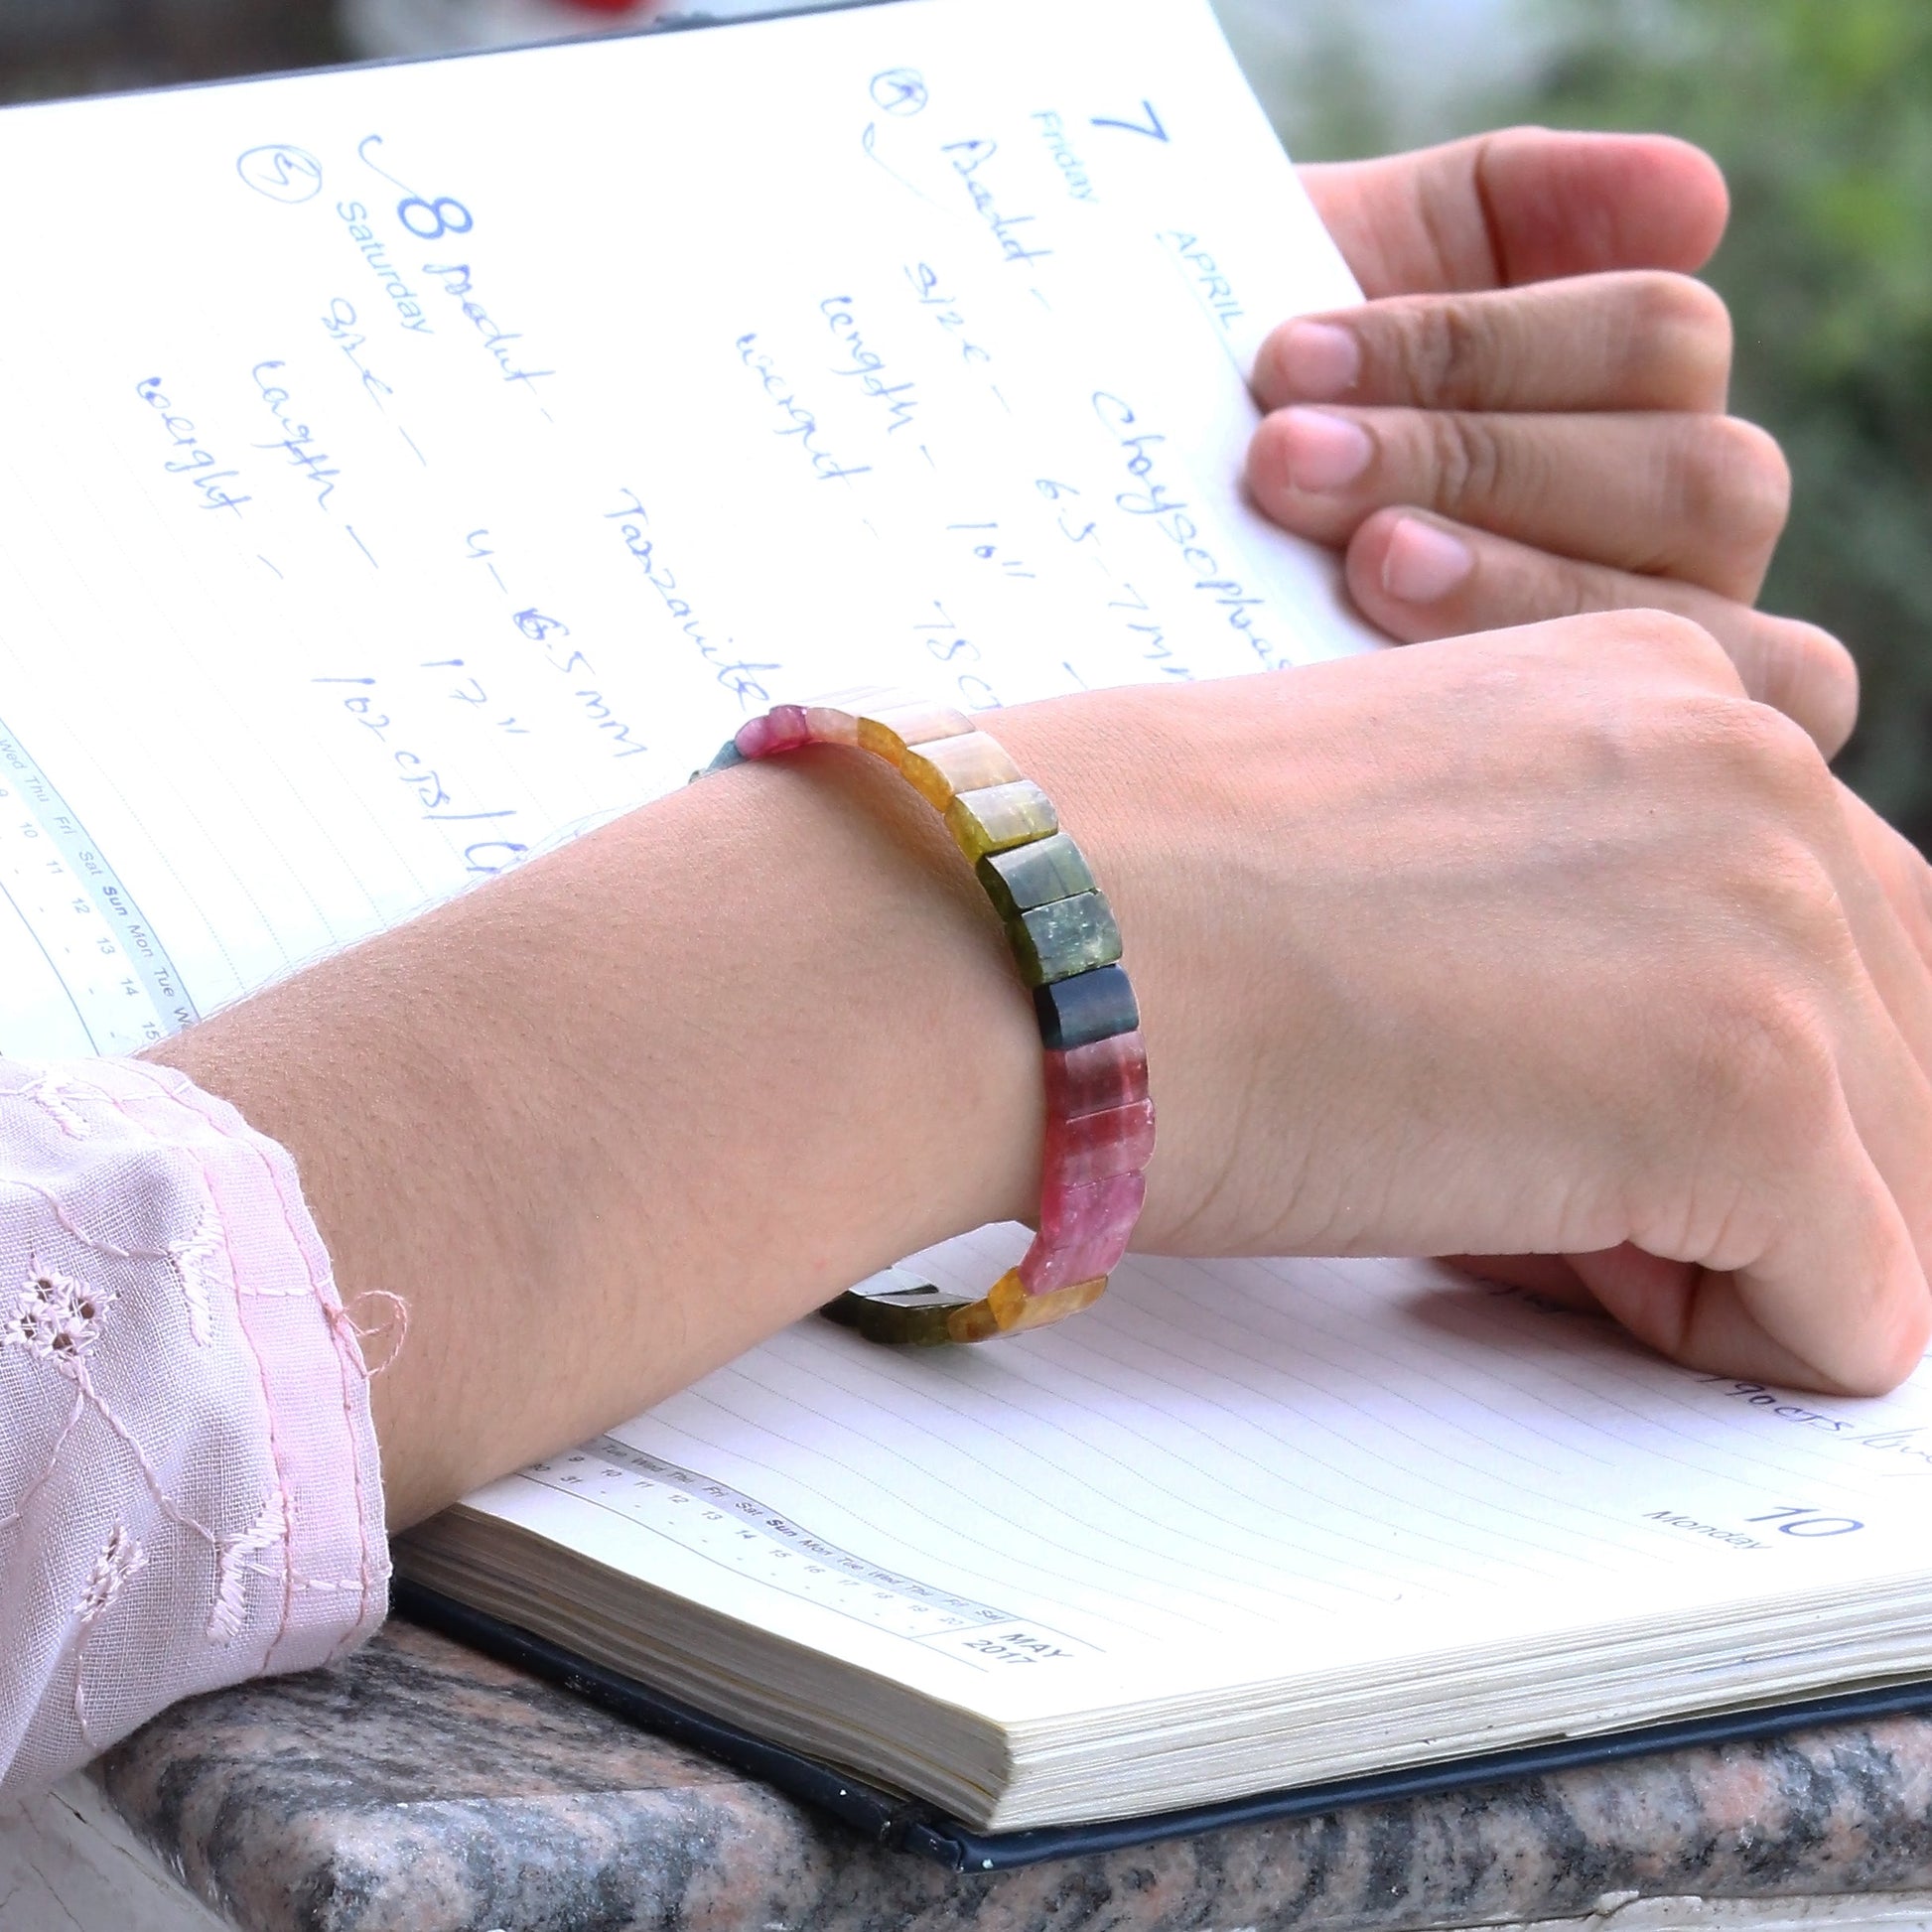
(459, 223)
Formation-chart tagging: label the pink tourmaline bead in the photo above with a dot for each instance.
(1083, 1230)
(782, 729)
(1094, 1146)
(1093, 1079)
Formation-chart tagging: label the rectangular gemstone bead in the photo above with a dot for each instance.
(1097, 1146)
(889, 730)
(1084, 1229)
(1065, 937)
(782, 729)
(1035, 874)
(830, 725)
(941, 769)
(1090, 1079)
(1010, 1308)
(1000, 816)
(1088, 1007)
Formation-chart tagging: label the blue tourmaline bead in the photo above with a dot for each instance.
(1088, 1007)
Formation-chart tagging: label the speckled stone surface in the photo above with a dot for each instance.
(420, 1788)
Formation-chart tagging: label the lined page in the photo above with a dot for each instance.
(1230, 1471)
(416, 466)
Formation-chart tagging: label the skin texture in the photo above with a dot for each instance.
(1527, 419)
(1554, 943)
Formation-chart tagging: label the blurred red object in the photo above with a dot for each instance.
(610, 6)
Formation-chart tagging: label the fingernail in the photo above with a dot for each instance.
(1423, 563)
(1317, 360)
(1323, 452)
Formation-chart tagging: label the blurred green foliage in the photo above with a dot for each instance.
(1820, 112)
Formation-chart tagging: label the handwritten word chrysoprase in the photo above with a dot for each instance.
(192, 458)
(298, 439)
(865, 365)
(944, 310)
(1215, 290)
(969, 160)
(1149, 497)
(459, 285)
(800, 421)
(1072, 168)
(738, 675)
(375, 251)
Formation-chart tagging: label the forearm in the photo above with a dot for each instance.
(607, 1123)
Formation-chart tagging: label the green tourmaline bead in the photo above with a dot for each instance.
(1066, 937)
(1035, 874)
(724, 759)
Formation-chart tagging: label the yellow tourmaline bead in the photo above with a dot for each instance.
(1008, 1308)
(1000, 817)
(939, 771)
(888, 730)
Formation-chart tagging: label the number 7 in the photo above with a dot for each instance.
(1152, 128)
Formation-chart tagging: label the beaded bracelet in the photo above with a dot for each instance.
(1099, 1118)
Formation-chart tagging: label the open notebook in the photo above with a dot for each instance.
(409, 467)
(1244, 1525)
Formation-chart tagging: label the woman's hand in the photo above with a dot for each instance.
(1527, 417)
(1548, 940)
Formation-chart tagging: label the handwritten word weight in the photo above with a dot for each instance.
(800, 421)
(194, 459)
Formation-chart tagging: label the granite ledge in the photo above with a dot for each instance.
(418, 1787)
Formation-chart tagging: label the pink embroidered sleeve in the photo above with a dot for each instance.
(188, 1485)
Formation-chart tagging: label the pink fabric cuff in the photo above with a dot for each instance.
(190, 1489)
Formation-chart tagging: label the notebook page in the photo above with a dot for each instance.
(1233, 1472)
(415, 467)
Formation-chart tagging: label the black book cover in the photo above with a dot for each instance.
(910, 1825)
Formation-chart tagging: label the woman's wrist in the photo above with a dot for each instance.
(611, 1120)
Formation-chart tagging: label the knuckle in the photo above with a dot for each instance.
(1759, 1066)
(1669, 642)
(1466, 458)
(1789, 766)
(1769, 764)
(1442, 352)
(1735, 482)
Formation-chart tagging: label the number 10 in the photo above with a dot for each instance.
(1806, 1522)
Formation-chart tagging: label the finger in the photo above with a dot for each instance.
(1525, 204)
(1419, 577)
(1728, 1323)
(1899, 869)
(1636, 339)
(1702, 499)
